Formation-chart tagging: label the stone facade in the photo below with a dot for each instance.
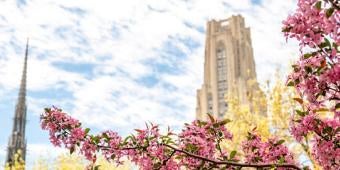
(228, 65)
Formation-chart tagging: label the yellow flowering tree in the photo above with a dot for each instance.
(246, 117)
(76, 162)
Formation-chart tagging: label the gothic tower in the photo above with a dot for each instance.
(17, 139)
(228, 66)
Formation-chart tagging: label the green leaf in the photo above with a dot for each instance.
(286, 29)
(87, 130)
(139, 130)
(298, 121)
(308, 69)
(127, 138)
(191, 148)
(298, 100)
(318, 5)
(71, 150)
(328, 43)
(337, 106)
(280, 142)
(308, 55)
(329, 12)
(301, 113)
(291, 83)
(327, 130)
(322, 45)
(96, 167)
(297, 81)
(220, 134)
(281, 160)
(105, 136)
(47, 110)
(322, 110)
(232, 154)
(211, 117)
(223, 122)
(95, 139)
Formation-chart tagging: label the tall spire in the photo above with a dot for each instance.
(17, 139)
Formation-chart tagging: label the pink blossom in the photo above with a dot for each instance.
(88, 149)
(327, 153)
(271, 151)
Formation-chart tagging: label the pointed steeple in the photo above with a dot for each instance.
(17, 141)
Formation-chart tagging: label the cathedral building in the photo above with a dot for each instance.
(17, 140)
(228, 67)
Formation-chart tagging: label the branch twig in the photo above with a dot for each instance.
(233, 163)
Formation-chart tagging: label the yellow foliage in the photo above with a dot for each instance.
(76, 162)
(105, 165)
(69, 162)
(246, 117)
(18, 164)
(281, 106)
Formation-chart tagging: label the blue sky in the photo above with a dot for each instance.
(116, 64)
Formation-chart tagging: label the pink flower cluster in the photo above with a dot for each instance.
(307, 124)
(88, 149)
(62, 127)
(326, 147)
(202, 138)
(316, 77)
(311, 22)
(148, 151)
(327, 153)
(271, 151)
(111, 143)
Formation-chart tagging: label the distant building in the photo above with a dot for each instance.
(228, 66)
(17, 140)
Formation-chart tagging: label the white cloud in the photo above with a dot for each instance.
(41, 74)
(142, 29)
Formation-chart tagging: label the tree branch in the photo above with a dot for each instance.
(233, 163)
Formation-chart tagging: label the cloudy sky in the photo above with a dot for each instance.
(116, 64)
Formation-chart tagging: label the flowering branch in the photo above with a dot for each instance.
(197, 146)
(231, 163)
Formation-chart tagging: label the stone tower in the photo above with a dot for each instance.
(228, 65)
(17, 139)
